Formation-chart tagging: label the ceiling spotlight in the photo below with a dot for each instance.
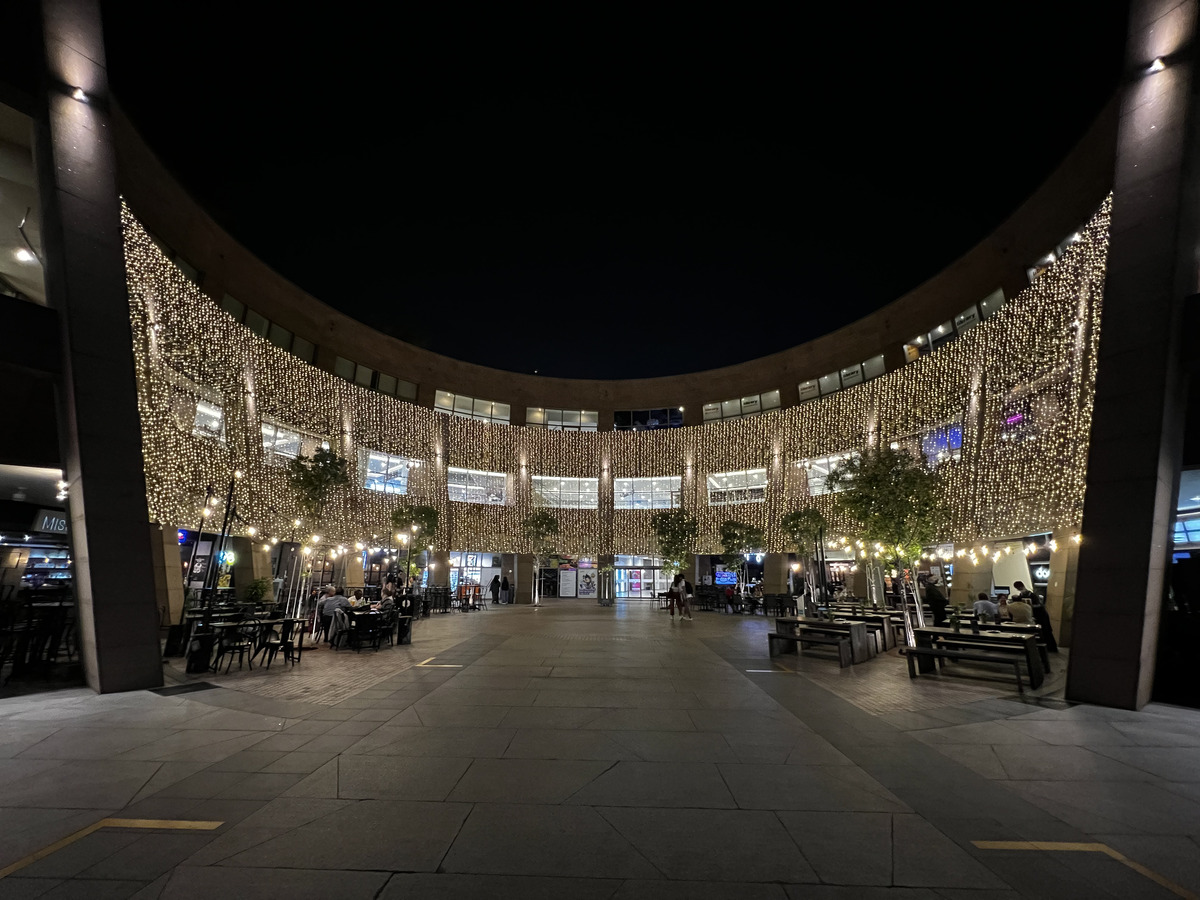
(24, 256)
(1157, 66)
(79, 95)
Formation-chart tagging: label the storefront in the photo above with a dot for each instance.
(640, 577)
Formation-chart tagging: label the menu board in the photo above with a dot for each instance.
(567, 582)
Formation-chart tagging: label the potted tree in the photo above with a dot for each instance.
(738, 539)
(804, 530)
(314, 479)
(891, 495)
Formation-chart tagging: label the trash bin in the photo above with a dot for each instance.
(404, 630)
(199, 655)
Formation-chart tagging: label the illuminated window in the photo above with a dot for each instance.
(646, 493)
(567, 493)
(818, 469)
(473, 486)
(647, 419)
(741, 407)
(282, 443)
(472, 407)
(209, 421)
(730, 488)
(386, 473)
(562, 419)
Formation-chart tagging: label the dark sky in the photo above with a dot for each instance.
(611, 195)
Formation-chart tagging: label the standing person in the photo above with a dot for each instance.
(936, 600)
(505, 590)
(986, 608)
(1040, 615)
(685, 598)
(673, 596)
(494, 588)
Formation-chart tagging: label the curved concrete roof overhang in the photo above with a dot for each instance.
(1058, 207)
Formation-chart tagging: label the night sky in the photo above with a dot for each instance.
(611, 195)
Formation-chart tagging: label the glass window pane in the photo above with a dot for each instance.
(809, 390)
(280, 336)
(406, 390)
(209, 421)
(463, 406)
(386, 383)
(730, 408)
(501, 411)
(711, 411)
(233, 306)
(535, 415)
(344, 368)
(363, 375)
(830, 383)
(751, 405)
(443, 400)
(589, 419)
(256, 323)
(873, 367)
(770, 400)
(303, 349)
(482, 408)
(851, 375)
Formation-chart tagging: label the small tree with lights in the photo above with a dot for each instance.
(539, 529)
(675, 533)
(314, 479)
(804, 529)
(891, 495)
(416, 527)
(737, 540)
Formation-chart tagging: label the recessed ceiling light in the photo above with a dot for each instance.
(1157, 66)
(25, 256)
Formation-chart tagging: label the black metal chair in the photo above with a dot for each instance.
(239, 641)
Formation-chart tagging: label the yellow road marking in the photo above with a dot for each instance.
(427, 665)
(163, 824)
(1090, 848)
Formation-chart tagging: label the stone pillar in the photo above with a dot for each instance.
(100, 429)
(1136, 442)
(525, 571)
(440, 574)
(242, 549)
(1060, 592)
(354, 570)
(969, 580)
(775, 573)
(168, 572)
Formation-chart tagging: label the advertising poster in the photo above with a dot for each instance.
(588, 586)
(567, 582)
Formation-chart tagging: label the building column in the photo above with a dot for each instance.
(1136, 441)
(168, 572)
(1060, 592)
(100, 429)
(440, 560)
(970, 579)
(775, 573)
(525, 571)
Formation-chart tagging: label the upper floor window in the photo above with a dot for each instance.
(474, 486)
(648, 419)
(562, 419)
(281, 442)
(818, 470)
(567, 493)
(386, 473)
(743, 406)
(729, 488)
(472, 407)
(273, 332)
(646, 493)
(209, 421)
(936, 445)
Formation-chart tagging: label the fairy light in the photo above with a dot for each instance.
(1013, 478)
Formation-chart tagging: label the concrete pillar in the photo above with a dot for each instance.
(242, 549)
(1060, 592)
(100, 429)
(525, 572)
(970, 580)
(354, 570)
(168, 572)
(775, 573)
(441, 567)
(1136, 442)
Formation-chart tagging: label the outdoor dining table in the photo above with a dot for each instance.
(862, 647)
(996, 637)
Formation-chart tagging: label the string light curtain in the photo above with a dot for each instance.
(1021, 383)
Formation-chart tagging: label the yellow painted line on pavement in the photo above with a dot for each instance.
(427, 665)
(1090, 848)
(162, 824)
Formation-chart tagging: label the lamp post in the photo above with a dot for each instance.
(187, 577)
(210, 576)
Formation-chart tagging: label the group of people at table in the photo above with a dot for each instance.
(1021, 606)
(332, 600)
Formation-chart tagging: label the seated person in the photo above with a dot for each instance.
(986, 608)
(1019, 611)
(357, 600)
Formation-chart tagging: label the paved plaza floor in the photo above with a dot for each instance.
(584, 752)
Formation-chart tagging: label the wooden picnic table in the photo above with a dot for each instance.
(996, 639)
(862, 648)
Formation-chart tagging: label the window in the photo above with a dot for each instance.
(818, 471)
(873, 367)
(386, 473)
(279, 336)
(303, 349)
(991, 303)
(344, 368)
(473, 486)
(472, 408)
(852, 375)
(809, 390)
(209, 421)
(363, 376)
(729, 488)
(281, 442)
(648, 419)
(646, 493)
(740, 407)
(567, 493)
(1187, 531)
(562, 419)
(941, 444)
(256, 323)
(233, 306)
(830, 383)
(968, 318)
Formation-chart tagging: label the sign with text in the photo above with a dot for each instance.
(50, 521)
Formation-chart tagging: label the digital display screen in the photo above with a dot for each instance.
(726, 578)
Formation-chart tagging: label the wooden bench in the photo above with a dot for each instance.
(782, 642)
(942, 653)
